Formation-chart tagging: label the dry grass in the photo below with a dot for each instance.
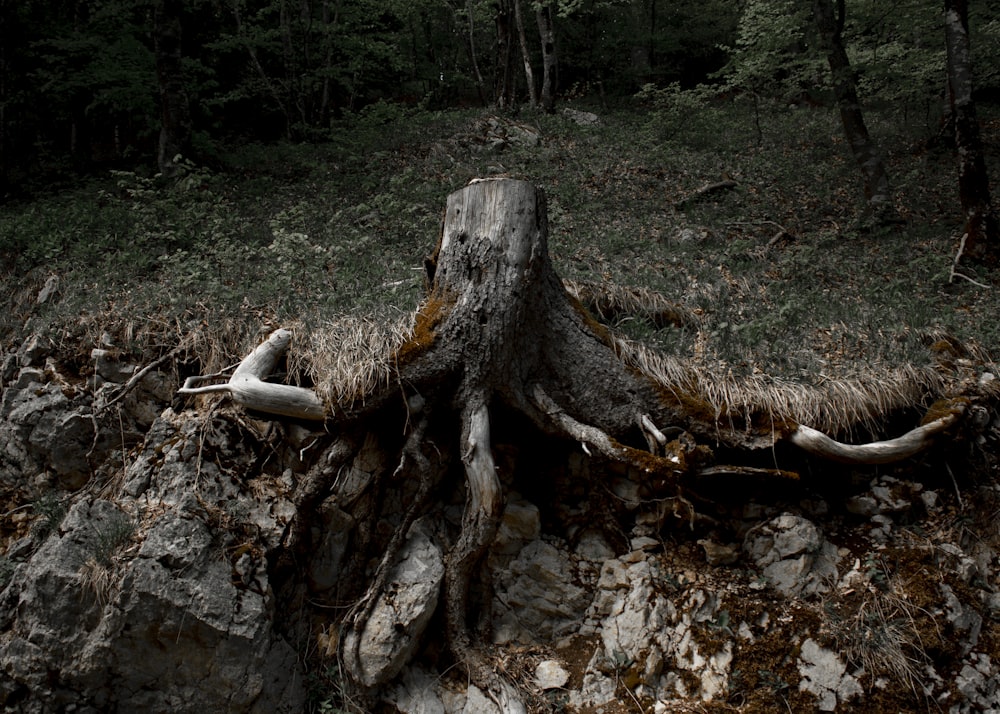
(350, 357)
(609, 301)
(881, 637)
(98, 579)
(835, 405)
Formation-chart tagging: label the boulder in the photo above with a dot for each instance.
(401, 614)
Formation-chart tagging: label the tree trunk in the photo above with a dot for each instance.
(175, 112)
(550, 63)
(529, 74)
(503, 80)
(469, 10)
(880, 208)
(982, 228)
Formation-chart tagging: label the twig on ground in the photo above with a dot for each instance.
(705, 190)
(954, 266)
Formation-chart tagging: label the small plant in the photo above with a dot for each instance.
(721, 623)
(50, 511)
(327, 693)
(97, 574)
(111, 536)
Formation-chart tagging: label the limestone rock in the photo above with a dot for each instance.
(549, 674)
(107, 365)
(140, 606)
(521, 523)
(825, 675)
(580, 117)
(33, 351)
(43, 429)
(792, 555)
(174, 635)
(979, 684)
(397, 622)
(540, 600)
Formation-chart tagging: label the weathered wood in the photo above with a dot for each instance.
(704, 191)
(876, 452)
(248, 388)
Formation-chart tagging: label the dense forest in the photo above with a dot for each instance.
(86, 83)
(90, 84)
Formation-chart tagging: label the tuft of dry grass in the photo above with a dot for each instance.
(350, 357)
(880, 636)
(835, 405)
(99, 579)
(608, 301)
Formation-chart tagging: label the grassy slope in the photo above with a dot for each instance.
(311, 233)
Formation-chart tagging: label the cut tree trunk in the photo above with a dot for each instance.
(499, 334)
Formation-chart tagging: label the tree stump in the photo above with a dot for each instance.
(498, 332)
(498, 329)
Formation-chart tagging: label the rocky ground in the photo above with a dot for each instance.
(148, 565)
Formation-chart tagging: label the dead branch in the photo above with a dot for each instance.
(705, 190)
(954, 266)
(141, 374)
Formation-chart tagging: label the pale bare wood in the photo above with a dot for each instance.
(248, 388)
(876, 452)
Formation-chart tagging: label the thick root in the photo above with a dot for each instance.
(876, 452)
(483, 509)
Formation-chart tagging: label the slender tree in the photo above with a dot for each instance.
(981, 239)
(830, 26)
(175, 111)
(529, 74)
(503, 78)
(550, 63)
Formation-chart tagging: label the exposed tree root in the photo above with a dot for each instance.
(876, 452)
(498, 329)
(483, 508)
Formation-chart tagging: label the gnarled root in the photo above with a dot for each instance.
(483, 508)
(413, 461)
(876, 452)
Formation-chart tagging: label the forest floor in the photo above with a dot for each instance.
(778, 270)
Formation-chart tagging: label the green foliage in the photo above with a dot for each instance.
(110, 537)
(690, 115)
(770, 54)
(302, 233)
